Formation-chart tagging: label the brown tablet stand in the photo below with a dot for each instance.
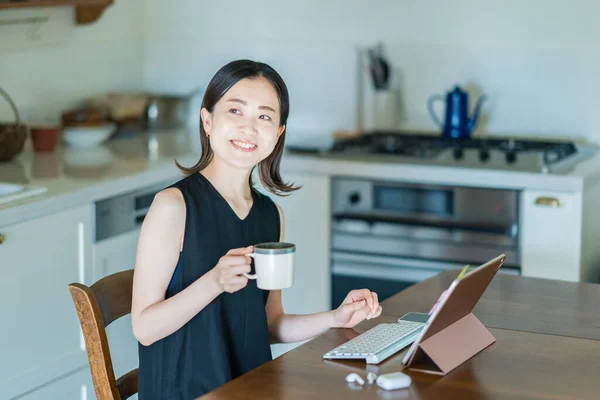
(452, 346)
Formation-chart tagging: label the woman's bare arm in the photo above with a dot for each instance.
(159, 244)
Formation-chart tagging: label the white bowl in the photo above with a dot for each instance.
(86, 163)
(84, 137)
(99, 156)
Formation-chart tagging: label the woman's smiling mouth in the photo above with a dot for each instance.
(242, 145)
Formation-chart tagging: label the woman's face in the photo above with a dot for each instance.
(244, 126)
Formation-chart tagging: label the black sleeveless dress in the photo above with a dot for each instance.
(229, 336)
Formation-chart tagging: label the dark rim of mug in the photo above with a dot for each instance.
(274, 248)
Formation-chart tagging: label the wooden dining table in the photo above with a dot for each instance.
(547, 347)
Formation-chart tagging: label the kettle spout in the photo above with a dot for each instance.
(473, 122)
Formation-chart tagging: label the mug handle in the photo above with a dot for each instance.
(247, 275)
(431, 109)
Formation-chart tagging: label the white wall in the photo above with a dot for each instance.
(538, 60)
(52, 69)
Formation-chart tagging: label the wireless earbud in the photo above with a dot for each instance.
(354, 377)
(371, 377)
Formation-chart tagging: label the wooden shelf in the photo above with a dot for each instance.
(86, 11)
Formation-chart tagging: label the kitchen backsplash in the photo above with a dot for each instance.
(537, 60)
(49, 67)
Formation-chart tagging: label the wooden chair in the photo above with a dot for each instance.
(97, 306)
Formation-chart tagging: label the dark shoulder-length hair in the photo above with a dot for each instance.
(224, 79)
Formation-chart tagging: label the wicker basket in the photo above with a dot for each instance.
(13, 135)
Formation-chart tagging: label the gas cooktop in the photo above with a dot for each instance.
(547, 156)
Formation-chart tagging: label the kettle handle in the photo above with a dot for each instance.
(430, 104)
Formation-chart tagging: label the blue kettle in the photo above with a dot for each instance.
(457, 124)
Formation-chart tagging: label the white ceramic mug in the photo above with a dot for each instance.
(274, 265)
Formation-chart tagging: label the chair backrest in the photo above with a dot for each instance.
(97, 306)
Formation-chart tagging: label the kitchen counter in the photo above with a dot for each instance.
(582, 176)
(75, 177)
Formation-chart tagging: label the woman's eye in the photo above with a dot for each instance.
(265, 117)
(234, 111)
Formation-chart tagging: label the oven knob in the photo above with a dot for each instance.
(511, 157)
(458, 153)
(484, 155)
(354, 197)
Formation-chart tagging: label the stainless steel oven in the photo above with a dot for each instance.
(388, 235)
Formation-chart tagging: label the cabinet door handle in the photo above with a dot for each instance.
(2, 238)
(548, 201)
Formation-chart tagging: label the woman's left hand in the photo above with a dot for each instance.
(357, 306)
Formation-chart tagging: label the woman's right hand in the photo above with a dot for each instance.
(227, 274)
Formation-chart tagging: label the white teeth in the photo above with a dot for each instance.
(244, 145)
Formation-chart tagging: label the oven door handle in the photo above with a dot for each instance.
(390, 268)
(394, 261)
(394, 268)
(383, 272)
(487, 227)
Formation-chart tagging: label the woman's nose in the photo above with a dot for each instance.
(249, 127)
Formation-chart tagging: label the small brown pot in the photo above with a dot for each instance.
(44, 138)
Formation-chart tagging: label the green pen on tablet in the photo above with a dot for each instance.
(464, 271)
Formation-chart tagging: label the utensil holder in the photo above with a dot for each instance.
(385, 110)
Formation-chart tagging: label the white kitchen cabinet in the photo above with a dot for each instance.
(307, 225)
(75, 386)
(551, 234)
(113, 255)
(40, 336)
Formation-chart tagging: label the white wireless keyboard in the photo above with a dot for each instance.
(378, 343)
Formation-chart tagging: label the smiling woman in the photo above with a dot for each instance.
(249, 103)
(250, 128)
(198, 318)
(248, 145)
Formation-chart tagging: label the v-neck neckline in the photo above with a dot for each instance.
(231, 210)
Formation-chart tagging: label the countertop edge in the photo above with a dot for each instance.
(443, 175)
(38, 206)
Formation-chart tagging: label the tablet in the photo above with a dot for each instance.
(459, 300)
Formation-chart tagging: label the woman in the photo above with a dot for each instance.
(199, 321)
